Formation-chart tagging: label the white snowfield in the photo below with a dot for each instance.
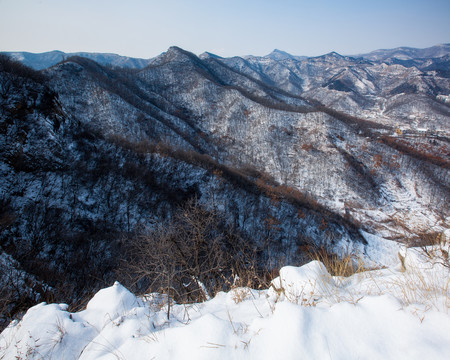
(390, 313)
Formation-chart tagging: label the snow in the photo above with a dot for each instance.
(397, 312)
(380, 251)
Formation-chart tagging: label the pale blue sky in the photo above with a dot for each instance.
(144, 29)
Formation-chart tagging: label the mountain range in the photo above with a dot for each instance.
(289, 151)
(45, 60)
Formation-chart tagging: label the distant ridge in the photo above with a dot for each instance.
(408, 53)
(45, 60)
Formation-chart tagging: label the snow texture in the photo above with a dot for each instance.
(392, 313)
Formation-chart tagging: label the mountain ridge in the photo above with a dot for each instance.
(40, 61)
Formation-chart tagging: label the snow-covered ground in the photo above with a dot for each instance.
(397, 312)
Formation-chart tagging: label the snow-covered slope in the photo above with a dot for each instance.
(332, 118)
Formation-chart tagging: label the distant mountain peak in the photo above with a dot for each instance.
(173, 53)
(206, 55)
(332, 55)
(277, 51)
(174, 49)
(335, 54)
(277, 54)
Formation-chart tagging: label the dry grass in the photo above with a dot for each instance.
(344, 265)
(421, 287)
(240, 294)
(436, 247)
(417, 284)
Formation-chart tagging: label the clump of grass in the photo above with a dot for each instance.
(423, 287)
(240, 294)
(344, 265)
(416, 284)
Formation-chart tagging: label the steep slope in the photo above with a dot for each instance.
(223, 108)
(279, 140)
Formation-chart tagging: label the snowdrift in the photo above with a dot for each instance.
(401, 312)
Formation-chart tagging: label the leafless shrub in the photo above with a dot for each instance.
(192, 257)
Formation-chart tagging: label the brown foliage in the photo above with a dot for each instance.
(377, 161)
(420, 151)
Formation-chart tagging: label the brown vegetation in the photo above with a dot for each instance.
(420, 151)
(191, 257)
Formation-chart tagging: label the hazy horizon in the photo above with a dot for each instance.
(144, 29)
